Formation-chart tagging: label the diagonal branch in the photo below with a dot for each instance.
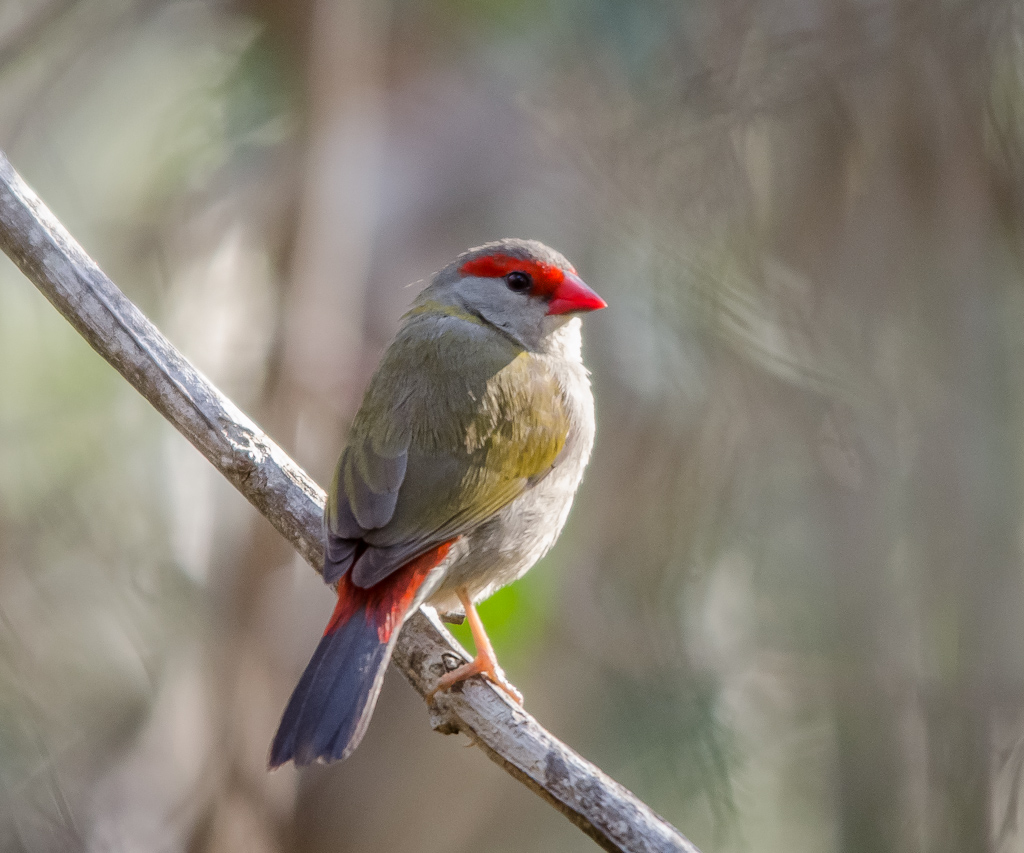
(278, 488)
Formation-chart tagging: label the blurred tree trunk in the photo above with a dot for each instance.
(313, 387)
(853, 487)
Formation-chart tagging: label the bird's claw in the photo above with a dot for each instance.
(511, 690)
(478, 666)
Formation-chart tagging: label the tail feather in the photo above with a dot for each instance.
(331, 706)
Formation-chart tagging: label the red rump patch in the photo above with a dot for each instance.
(546, 277)
(386, 602)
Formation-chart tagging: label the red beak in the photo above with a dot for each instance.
(573, 295)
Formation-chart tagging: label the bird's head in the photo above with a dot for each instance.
(522, 287)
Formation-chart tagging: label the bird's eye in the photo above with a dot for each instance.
(518, 281)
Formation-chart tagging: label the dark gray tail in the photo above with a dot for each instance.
(331, 707)
(332, 704)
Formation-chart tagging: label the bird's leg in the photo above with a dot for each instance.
(485, 662)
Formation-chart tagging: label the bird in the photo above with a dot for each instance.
(458, 473)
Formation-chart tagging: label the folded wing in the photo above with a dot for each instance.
(434, 454)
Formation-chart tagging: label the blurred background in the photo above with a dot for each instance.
(788, 608)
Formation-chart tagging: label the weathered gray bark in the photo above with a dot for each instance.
(293, 503)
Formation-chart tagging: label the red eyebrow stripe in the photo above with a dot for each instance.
(546, 277)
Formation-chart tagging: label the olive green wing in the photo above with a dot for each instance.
(429, 460)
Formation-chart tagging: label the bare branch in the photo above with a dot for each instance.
(278, 488)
